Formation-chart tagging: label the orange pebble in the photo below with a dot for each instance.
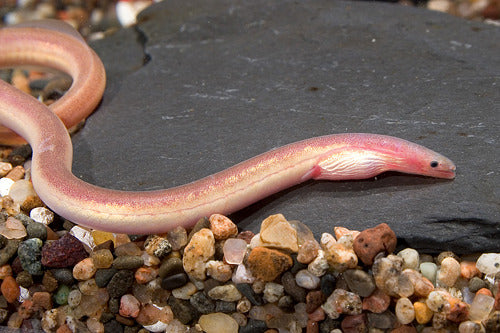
(468, 269)
(10, 289)
(485, 291)
(145, 274)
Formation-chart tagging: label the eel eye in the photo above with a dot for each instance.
(434, 164)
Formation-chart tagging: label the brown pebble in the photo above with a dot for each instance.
(43, 300)
(354, 324)
(404, 329)
(459, 312)
(49, 281)
(377, 302)
(10, 289)
(26, 310)
(267, 264)
(16, 173)
(313, 300)
(312, 326)
(125, 321)
(246, 235)
(371, 242)
(64, 328)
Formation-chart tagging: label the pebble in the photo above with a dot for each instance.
(273, 292)
(10, 289)
(423, 314)
(197, 252)
(429, 270)
(228, 293)
(468, 270)
(234, 250)
(61, 296)
(218, 323)
(120, 283)
(338, 255)
(129, 306)
(157, 246)
(342, 302)
(359, 282)
(185, 292)
(410, 258)
(12, 228)
(145, 274)
(128, 262)
(64, 252)
(306, 279)
(308, 251)
(489, 263)
(36, 230)
(377, 302)
(371, 242)
(319, 266)
(354, 323)
(177, 238)
(42, 215)
(5, 185)
(128, 249)
(174, 281)
(170, 266)
(481, 307)
(102, 258)
(84, 269)
(202, 303)
(276, 232)
(30, 253)
(219, 270)
(222, 227)
(250, 294)
(267, 264)
(405, 312)
(449, 271)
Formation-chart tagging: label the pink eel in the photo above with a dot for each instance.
(332, 157)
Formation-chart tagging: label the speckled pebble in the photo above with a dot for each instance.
(342, 302)
(197, 252)
(228, 293)
(222, 227)
(449, 271)
(61, 295)
(372, 241)
(489, 263)
(202, 303)
(64, 252)
(157, 245)
(42, 215)
(120, 283)
(84, 269)
(30, 253)
(267, 264)
(102, 258)
(128, 262)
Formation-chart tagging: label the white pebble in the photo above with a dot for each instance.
(5, 185)
(306, 279)
(449, 271)
(159, 326)
(242, 275)
(273, 292)
(429, 270)
(42, 215)
(405, 312)
(83, 235)
(410, 258)
(489, 263)
(5, 168)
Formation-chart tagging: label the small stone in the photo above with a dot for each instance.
(219, 270)
(183, 310)
(120, 283)
(10, 289)
(102, 258)
(128, 249)
(244, 305)
(405, 311)
(492, 324)
(377, 302)
(24, 279)
(170, 266)
(481, 307)
(468, 270)
(177, 238)
(437, 300)
(197, 252)
(267, 264)
(128, 262)
(429, 270)
(340, 256)
(308, 251)
(12, 229)
(410, 258)
(174, 281)
(327, 284)
(273, 292)
(185, 292)
(100, 237)
(42, 215)
(234, 250)
(36, 230)
(485, 291)
(242, 275)
(319, 266)
(157, 245)
(248, 292)
(222, 227)
(61, 295)
(423, 314)
(145, 274)
(458, 312)
(5, 185)
(246, 235)
(449, 271)
(103, 276)
(470, 327)
(218, 323)
(489, 263)
(74, 298)
(275, 231)
(371, 242)
(314, 299)
(65, 252)
(129, 306)
(225, 307)
(476, 284)
(306, 279)
(42, 299)
(359, 282)
(354, 323)
(342, 302)
(386, 273)
(9, 250)
(291, 287)
(446, 254)
(228, 293)
(49, 281)
(84, 270)
(30, 253)
(202, 303)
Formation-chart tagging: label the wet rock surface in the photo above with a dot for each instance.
(195, 88)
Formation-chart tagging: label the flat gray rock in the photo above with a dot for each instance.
(199, 86)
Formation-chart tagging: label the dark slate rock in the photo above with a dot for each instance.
(103, 276)
(174, 281)
(202, 303)
(183, 310)
(63, 275)
(200, 86)
(128, 262)
(225, 307)
(327, 284)
(247, 291)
